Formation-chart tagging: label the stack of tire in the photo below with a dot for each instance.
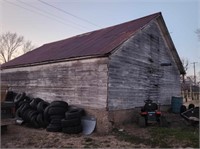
(54, 113)
(71, 124)
(31, 111)
(20, 99)
(40, 106)
(56, 116)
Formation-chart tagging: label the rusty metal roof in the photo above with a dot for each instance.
(96, 43)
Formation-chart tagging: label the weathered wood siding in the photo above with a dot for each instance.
(135, 73)
(80, 82)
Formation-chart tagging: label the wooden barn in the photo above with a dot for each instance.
(109, 72)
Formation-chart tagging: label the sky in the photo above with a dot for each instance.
(44, 21)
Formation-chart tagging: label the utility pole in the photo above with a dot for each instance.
(194, 72)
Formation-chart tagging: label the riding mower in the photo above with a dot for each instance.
(150, 113)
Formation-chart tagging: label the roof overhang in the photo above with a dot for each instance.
(56, 61)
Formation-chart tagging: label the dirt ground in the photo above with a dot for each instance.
(24, 137)
(123, 136)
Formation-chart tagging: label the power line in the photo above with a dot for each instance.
(49, 13)
(30, 10)
(36, 12)
(77, 17)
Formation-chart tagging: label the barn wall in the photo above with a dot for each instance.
(170, 84)
(135, 73)
(78, 82)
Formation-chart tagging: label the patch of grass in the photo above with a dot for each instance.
(175, 136)
(128, 137)
(163, 137)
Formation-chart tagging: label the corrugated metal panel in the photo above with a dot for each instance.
(96, 43)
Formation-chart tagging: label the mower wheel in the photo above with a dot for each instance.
(163, 122)
(182, 109)
(142, 122)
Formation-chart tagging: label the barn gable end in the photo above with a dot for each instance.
(136, 72)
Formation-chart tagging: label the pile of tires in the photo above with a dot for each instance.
(56, 116)
(71, 124)
(31, 111)
(54, 113)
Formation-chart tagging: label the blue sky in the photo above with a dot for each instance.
(41, 23)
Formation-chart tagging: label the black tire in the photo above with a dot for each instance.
(163, 122)
(34, 122)
(62, 104)
(24, 108)
(20, 103)
(23, 102)
(182, 109)
(32, 113)
(190, 106)
(56, 122)
(40, 120)
(18, 111)
(57, 111)
(142, 121)
(26, 98)
(28, 114)
(19, 97)
(54, 128)
(73, 113)
(25, 115)
(72, 130)
(46, 115)
(41, 106)
(35, 102)
(57, 117)
(71, 122)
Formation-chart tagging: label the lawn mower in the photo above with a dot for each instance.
(150, 113)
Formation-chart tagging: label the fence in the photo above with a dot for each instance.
(189, 95)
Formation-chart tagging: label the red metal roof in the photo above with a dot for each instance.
(96, 43)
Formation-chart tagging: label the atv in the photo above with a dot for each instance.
(151, 114)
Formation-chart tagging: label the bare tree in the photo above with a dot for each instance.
(11, 45)
(198, 33)
(185, 63)
(27, 47)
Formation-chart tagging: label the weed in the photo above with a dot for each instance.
(129, 137)
(163, 137)
(167, 137)
(90, 143)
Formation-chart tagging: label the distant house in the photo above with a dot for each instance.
(109, 72)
